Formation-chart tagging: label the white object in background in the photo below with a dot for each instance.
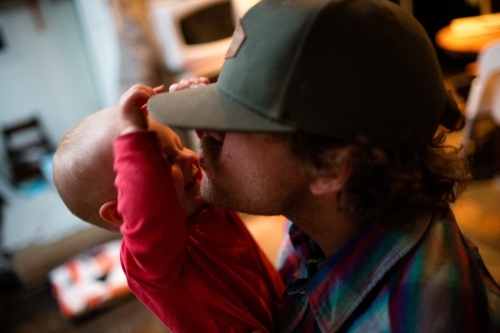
(89, 280)
(484, 93)
(240, 7)
(199, 59)
(102, 48)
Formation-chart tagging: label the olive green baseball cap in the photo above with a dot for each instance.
(336, 68)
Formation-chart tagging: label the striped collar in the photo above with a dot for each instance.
(351, 273)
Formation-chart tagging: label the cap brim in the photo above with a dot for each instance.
(206, 108)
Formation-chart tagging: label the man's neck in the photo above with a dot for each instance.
(329, 228)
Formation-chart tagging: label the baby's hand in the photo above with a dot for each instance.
(189, 83)
(132, 106)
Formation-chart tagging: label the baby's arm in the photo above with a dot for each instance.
(154, 232)
(132, 104)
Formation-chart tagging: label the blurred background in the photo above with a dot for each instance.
(62, 60)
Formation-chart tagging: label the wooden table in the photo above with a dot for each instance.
(465, 37)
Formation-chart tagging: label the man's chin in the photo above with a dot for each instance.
(209, 193)
(217, 198)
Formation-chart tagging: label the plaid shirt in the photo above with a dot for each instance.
(425, 278)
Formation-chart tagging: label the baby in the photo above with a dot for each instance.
(195, 266)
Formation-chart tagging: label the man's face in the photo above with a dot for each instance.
(253, 173)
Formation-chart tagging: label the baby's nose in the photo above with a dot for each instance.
(186, 160)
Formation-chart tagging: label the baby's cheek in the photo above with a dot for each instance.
(178, 180)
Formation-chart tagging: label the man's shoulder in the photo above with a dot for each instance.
(447, 274)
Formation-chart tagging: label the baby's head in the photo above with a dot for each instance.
(84, 176)
(83, 166)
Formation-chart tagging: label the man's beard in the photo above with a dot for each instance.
(210, 190)
(220, 187)
(211, 149)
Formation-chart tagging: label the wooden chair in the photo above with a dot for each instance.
(25, 143)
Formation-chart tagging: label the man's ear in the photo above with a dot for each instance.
(109, 213)
(333, 175)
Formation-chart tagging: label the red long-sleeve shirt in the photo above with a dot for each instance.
(203, 274)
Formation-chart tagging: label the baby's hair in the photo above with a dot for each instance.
(83, 166)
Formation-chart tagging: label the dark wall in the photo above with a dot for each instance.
(436, 14)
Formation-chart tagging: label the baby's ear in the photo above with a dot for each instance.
(109, 213)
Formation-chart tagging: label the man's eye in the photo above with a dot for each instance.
(219, 136)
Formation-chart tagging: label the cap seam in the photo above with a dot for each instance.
(297, 55)
(263, 112)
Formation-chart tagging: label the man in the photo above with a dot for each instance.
(333, 113)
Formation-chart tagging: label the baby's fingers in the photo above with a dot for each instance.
(189, 83)
(135, 97)
(159, 89)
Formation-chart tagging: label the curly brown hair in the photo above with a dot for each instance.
(392, 185)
